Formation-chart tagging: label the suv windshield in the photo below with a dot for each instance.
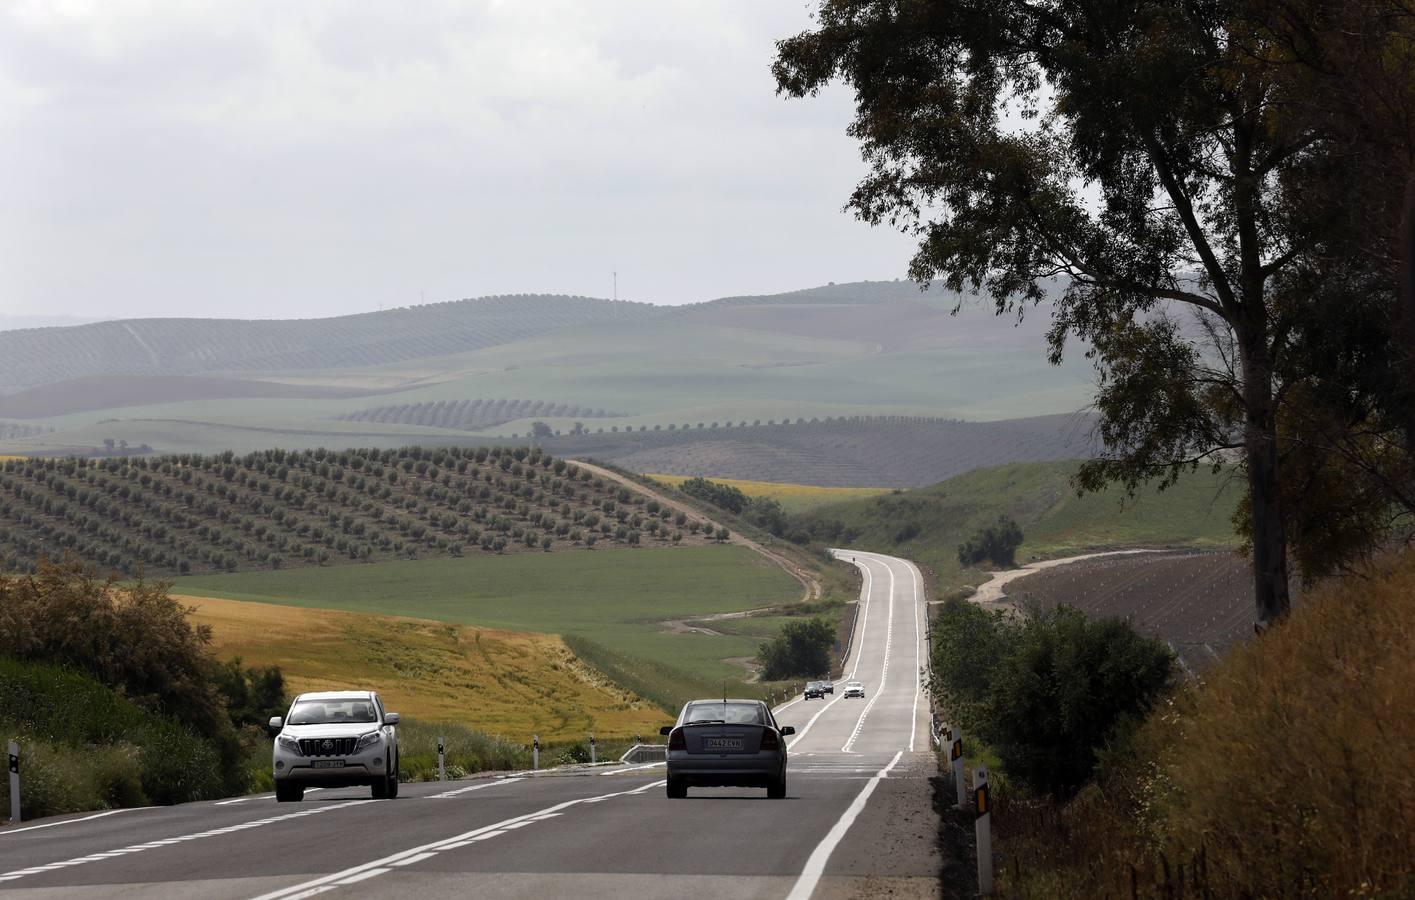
(332, 711)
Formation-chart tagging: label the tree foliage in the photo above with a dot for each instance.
(723, 496)
(997, 542)
(1151, 170)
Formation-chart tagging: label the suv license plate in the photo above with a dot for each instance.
(722, 743)
(328, 764)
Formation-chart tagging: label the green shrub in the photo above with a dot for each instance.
(800, 650)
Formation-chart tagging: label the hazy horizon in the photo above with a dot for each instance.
(247, 161)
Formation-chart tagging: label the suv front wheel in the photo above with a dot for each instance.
(289, 793)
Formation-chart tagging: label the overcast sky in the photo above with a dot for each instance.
(314, 158)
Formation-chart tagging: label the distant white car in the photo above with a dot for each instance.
(854, 689)
(336, 739)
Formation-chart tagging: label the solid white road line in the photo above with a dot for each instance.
(111, 812)
(918, 651)
(243, 799)
(815, 866)
(152, 845)
(476, 787)
(417, 854)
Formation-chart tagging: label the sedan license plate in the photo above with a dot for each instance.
(328, 764)
(722, 743)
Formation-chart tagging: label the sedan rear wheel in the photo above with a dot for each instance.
(677, 789)
(777, 789)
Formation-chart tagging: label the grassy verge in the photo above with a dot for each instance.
(498, 682)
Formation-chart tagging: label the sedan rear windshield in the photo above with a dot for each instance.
(335, 711)
(730, 713)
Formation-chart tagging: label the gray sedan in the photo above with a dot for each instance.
(726, 743)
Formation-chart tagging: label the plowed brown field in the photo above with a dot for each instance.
(1198, 603)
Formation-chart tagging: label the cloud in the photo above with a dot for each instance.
(315, 157)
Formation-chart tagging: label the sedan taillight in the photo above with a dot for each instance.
(769, 741)
(676, 741)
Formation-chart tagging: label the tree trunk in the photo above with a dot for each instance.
(1270, 594)
(1405, 316)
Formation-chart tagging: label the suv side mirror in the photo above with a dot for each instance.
(787, 729)
(390, 718)
(666, 730)
(276, 723)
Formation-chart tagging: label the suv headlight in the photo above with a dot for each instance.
(368, 740)
(289, 744)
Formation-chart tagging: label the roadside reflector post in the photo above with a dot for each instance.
(594, 760)
(982, 828)
(14, 783)
(441, 760)
(955, 753)
(535, 752)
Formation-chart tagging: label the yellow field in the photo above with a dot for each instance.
(499, 682)
(794, 498)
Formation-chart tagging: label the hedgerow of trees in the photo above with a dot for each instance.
(273, 509)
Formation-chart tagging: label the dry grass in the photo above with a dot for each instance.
(794, 498)
(498, 682)
(1290, 771)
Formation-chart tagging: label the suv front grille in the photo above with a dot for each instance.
(327, 746)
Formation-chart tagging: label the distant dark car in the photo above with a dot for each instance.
(828, 687)
(726, 743)
(815, 690)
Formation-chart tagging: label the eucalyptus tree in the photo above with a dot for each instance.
(1126, 161)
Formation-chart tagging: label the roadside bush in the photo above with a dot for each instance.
(997, 542)
(1064, 687)
(1285, 772)
(1049, 692)
(800, 650)
(134, 638)
(86, 747)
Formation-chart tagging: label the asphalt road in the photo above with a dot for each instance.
(856, 821)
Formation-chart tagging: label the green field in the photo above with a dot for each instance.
(615, 599)
(928, 524)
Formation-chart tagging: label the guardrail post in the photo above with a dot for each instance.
(14, 783)
(535, 752)
(982, 828)
(441, 760)
(594, 759)
(955, 753)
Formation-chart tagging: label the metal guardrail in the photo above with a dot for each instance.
(645, 753)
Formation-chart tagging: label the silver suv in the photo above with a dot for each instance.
(336, 739)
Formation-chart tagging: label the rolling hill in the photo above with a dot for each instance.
(30, 357)
(441, 375)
